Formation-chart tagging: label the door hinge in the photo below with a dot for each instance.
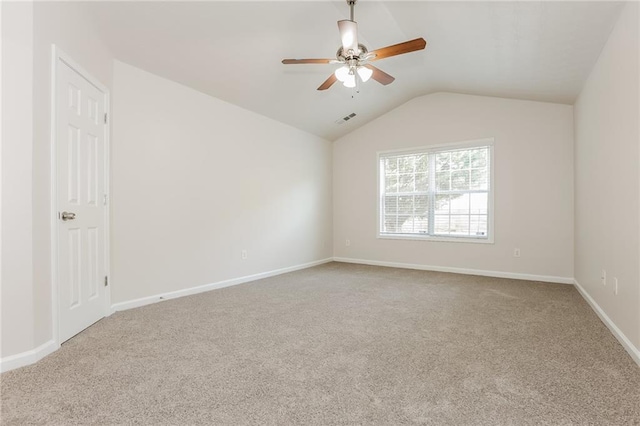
(105, 118)
(106, 281)
(104, 199)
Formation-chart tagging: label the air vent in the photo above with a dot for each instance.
(346, 118)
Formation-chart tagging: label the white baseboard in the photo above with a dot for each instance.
(624, 341)
(482, 272)
(28, 357)
(136, 303)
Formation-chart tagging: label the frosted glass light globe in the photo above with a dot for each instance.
(342, 73)
(364, 73)
(350, 81)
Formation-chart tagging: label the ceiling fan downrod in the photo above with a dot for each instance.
(351, 4)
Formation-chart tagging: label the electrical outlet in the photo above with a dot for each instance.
(516, 252)
(243, 254)
(615, 286)
(603, 277)
(347, 243)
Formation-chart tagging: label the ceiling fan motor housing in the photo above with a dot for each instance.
(362, 51)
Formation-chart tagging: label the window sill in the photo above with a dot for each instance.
(436, 239)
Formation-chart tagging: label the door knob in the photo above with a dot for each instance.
(67, 216)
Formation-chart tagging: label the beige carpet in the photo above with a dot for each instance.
(340, 344)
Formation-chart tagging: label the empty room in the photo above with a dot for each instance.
(320, 212)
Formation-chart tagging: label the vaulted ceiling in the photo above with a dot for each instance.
(232, 50)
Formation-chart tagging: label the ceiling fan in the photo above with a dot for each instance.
(355, 57)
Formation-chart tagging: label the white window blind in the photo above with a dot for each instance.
(436, 193)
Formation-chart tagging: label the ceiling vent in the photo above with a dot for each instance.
(346, 118)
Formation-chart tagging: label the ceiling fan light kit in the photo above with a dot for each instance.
(350, 81)
(364, 73)
(347, 75)
(355, 57)
(343, 73)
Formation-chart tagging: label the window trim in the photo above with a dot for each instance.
(489, 239)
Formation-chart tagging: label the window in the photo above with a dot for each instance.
(437, 193)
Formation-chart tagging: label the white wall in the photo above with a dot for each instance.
(29, 29)
(532, 189)
(17, 136)
(607, 178)
(195, 180)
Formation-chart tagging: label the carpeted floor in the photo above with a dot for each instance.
(340, 344)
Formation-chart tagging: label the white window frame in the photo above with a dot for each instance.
(489, 239)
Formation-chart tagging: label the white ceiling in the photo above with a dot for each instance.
(232, 50)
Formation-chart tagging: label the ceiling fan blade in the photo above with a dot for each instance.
(349, 36)
(328, 82)
(307, 61)
(379, 75)
(399, 49)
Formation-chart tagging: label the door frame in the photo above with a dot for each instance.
(57, 56)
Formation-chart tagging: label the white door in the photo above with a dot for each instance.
(81, 200)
